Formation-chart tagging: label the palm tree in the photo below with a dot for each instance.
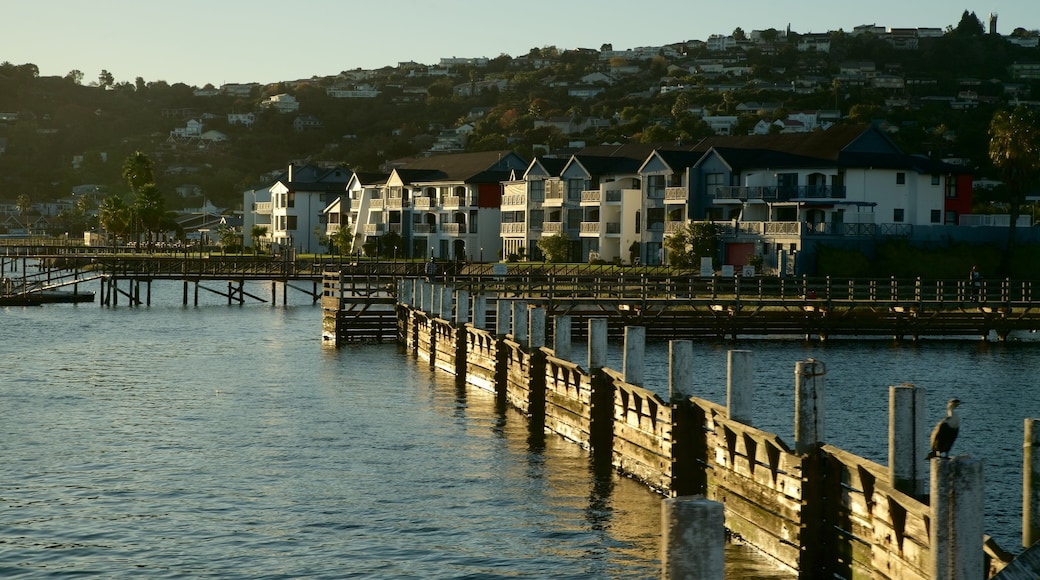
(150, 208)
(1014, 149)
(255, 234)
(137, 170)
(115, 216)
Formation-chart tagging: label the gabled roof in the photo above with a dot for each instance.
(551, 166)
(464, 167)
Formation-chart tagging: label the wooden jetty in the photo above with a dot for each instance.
(814, 508)
(671, 305)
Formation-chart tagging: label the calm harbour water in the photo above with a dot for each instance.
(228, 442)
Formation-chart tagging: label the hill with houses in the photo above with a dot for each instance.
(61, 138)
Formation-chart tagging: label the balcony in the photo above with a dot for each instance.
(395, 203)
(395, 229)
(614, 195)
(551, 228)
(514, 200)
(513, 228)
(376, 203)
(262, 207)
(553, 199)
(778, 192)
(589, 229)
(424, 228)
(374, 229)
(453, 229)
(591, 197)
(422, 203)
(675, 195)
(453, 202)
(673, 227)
(355, 205)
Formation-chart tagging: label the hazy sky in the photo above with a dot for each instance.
(221, 41)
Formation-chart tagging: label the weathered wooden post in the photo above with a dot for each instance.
(907, 438)
(597, 343)
(601, 427)
(428, 292)
(957, 516)
(740, 386)
(808, 404)
(480, 312)
(404, 292)
(446, 302)
(680, 369)
(502, 317)
(634, 360)
(1031, 485)
(461, 307)
(520, 322)
(536, 324)
(562, 337)
(693, 538)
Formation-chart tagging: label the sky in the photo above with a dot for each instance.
(237, 41)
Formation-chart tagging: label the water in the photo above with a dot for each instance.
(229, 442)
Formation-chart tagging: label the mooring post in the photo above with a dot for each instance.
(957, 516)
(693, 538)
(428, 293)
(740, 386)
(520, 322)
(536, 324)
(480, 312)
(597, 343)
(447, 297)
(1031, 485)
(680, 369)
(461, 307)
(634, 360)
(503, 308)
(404, 293)
(562, 337)
(420, 291)
(907, 438)
(808, 404)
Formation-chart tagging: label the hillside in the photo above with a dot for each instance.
(935, 97)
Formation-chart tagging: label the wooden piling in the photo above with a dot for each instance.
(1031, 485)
(634, 360)
(693, 538)
(740, 387)
(808, 411)
(957, 519)
(907, 438)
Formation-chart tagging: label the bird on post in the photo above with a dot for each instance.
(945, 432)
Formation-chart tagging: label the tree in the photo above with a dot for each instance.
(256, 233)
(105, 79)
(137, 170)
(230, 240)
(1014, 149)
(115, 215)
(557, 247)
(687, 245)
(970, 25)
(24, 204)
(343, 240)
(149, 208)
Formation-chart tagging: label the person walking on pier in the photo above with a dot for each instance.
(975, 280)
(431, 270)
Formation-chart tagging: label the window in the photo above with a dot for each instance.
(655, 219)
(897, 215)
(655, 186)
(900, 178)
(712, 181)
(574, 189)
(537, 217)
(291, 199)
(935, 179)
(537, 189)
(290, 222)
(936, 216)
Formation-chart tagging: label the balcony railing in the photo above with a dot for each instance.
(514, 199)
(591, 196)
(514, 228)
(672, 227)
(262, 207)
(676, 194)
(394, 203)
(422, 203)
(376, 203)
(355, 204)
(778, 192)
(374, 229)
(453, 229)
(614, 195)
(552, 227)
(395, 228)
(589, 228)
(453, 201)
(424, 229)
(553, 198)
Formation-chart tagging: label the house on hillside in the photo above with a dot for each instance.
(291, 208)
(445, 206)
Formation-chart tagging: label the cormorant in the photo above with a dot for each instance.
(945, 432)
